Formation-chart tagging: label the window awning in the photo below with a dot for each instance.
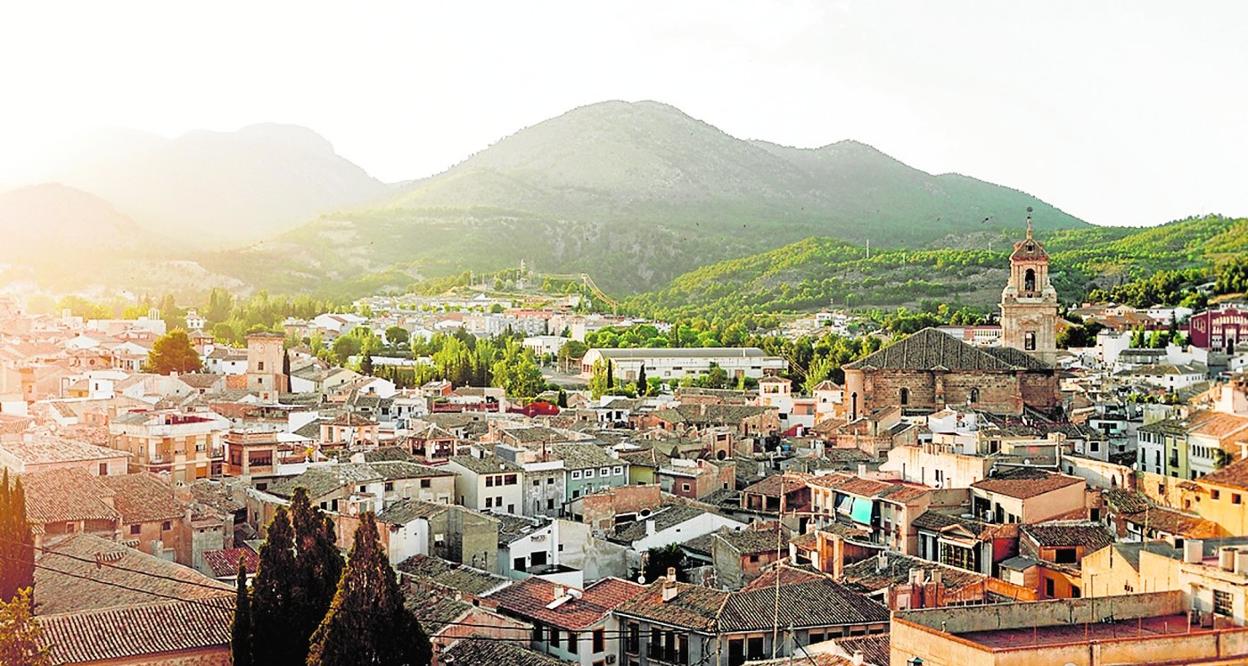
(843, 504)
(861, 513)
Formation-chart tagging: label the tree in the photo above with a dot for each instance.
(171, 353)
(240, 630)
(598, 379)
(610, 376)
(367, 622)
(366, 364)
(272, 596)
(659, 559)
(517, 373)
(562, 400)
(21, 638)
(397, 335)
(642, 385)
(344, 347)
(318, 566)
(17, 542)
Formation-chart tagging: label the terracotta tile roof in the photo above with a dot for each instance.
(931, 349)
(773, 485)
(874, 648)
(450, 575)
(60, 593)
(870, 576)
(1177, 523)
(63, 495)
(750, 541)
(1026, 483)
(789, 575)
(224, 563)
(46, 448)
(1234, 475)
(143, 498)
(137, 632)
(531, 599)
(816, 603)
(1091, 536)
(468, 652)
(694, 607)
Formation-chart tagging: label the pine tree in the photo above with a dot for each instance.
(17, 542)
(642, 388)
(240, 631)
(172, 352)
(367, 622)
(272, 591)
(318, 566)
(21, 637)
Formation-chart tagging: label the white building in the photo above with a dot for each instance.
(545, 345)
(678, 363)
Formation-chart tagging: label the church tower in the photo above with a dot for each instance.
(1029, 301)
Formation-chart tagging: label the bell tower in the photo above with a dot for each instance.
(1029, 301)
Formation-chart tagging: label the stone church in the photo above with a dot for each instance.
(930, 369)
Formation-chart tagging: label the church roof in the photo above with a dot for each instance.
(1029, 249)
(930, 349)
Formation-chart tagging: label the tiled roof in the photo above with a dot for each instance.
(405, 511)
(468, 652)
(1177, 523)
(137, 633)
(45, 448)
(433, 611)
(1026, 483)
(120, 566)
(874, 648)
(663, 519)
(328, 478)
(531, 598)
(224, 563)
(489, 464)
(450, 575)
(939, 520)
(63, 495)
(789, 575)
(816, 603)
(694, 607)
(750, 541)
(143, 498)
(930, 349)
(773, 485)
(1091, 536)
(1234, 475)
(582, 456)
(870, 576)
(388, 454)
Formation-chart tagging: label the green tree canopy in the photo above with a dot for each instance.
(21, 638)
(171, 353)
(17, 542)
(272, 596)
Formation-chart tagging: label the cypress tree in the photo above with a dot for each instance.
(240, 631)
(272, 592)
(17, 542)
(610, 377)
(641, 381)
(318, 566)
(367, 622)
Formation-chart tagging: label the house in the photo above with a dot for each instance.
(569, 624)
(590, 468)
(69, 501)
(184, 445)
(695, 479)
(740, 556)
(901, 582)
(777, 494)
(1050, 555)
(1028, 495)
(675, 363)
(675, 523)
(173, 614)
(1123, 629)
(42, 451)
(153, 520)
(450, 532)
(681, 623)
(488, 483)
(960, 540)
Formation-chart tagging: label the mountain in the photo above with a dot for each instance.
(635, 194)
(817, 273)
(224, 188)
(52, 222)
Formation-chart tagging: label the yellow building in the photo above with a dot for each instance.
(1211, 574)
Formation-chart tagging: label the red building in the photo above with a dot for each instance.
(1219, 328)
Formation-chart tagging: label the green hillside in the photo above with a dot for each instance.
(819, 272)
(635, 194)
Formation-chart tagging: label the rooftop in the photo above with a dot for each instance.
(47, 449)
(1025, 483)
(930, 349)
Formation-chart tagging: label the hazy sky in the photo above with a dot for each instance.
(1120, 113)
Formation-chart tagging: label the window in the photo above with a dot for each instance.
(489, 502)
(974, 395)
(1236, 498)
(754, 648)
(260, 366)
(537, 483)
(600, 640)
(633, 644)
(509, 480)
(537, 632)
(1215, 494)
(103, 469)
(573, 643)
(554, 637)
(389, 486)
(576, 473)
(617, 470)
(1222, 604)
(684, 487)
(489, 482)
(426, 483)
(1064, 556)
(589, 473)
(903, 395)
(135, 529)
(1029, 341)
(1048, 587)
(655, 645)
(1029, 280)
(166, 526)
(605, 471)
(550, 481)
(517, 564)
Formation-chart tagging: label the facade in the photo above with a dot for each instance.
(488, 483)
(183, 445)
(1029, 301)
(589, 469)
(1219, 328)
(265, 361)
(671, 364)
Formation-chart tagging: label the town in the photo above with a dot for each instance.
(553, 483)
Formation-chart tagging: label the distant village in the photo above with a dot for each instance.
(962, 495)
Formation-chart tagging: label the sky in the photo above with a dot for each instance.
(1123, 113)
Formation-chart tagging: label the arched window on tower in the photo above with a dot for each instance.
(974, 395)
(853, 406)
(904, 395)
(1029, 280)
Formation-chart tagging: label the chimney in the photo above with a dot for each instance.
(669, 592)
(856, 659)
(933, 577)
(862, 471)
(1193, 551)
(559, 591)
(881, 561)
(1241, 561)
(671, 574)
(1226, 558)
(650, 530)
